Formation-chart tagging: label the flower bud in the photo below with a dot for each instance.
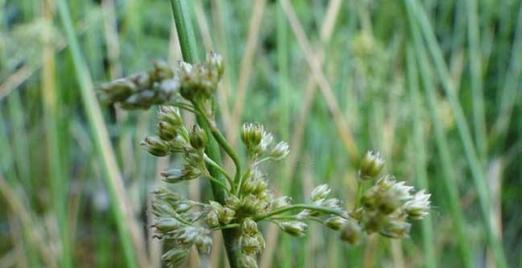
(280, 151)
(320, 192)
(166, 131)
(371, 165)
(170, 115)
(175, 256)
(198, 138)
(204, 244)
(335, 223)
(295, 228)
(215, 63)
(250, 245)
(247, 261)
(249, 227)
(165, 225)
(351, 232)
(419, 206)
(251, 135)
(212, 219)
(156, 146)
(396, 229)
(280, 202)
(173, 175)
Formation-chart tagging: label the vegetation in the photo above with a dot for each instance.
(433, 85)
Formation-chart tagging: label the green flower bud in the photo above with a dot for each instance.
(198, 138)
(170, 115)
(232, 202)
(215, 63)
(295, 228)
(166, 131)
(320, 192)
(280, 151)
(371, 165)
(249, 227)
(117, 90)
(165, 225)
(419, 206)
(203, 244)
(212, 219)
(156, 146)
(175, 256)
(335, 223)
(173, 175)
(250, 245)
(251, 135)
(280, 202)
(247, 261)
(351, 232)
(396, 229)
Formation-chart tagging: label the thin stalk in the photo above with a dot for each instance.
(211, 126)
(122, 215)
(418, 15)
(447, 168)
(420, 154)
(211, 162)
(58, 182)
(301, 206)
(188, 49)
(475, 57)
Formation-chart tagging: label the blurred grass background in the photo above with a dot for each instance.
(434, 85)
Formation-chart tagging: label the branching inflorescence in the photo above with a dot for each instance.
(385, 207)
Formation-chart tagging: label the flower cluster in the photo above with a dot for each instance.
(386, 206)
(246, 199)
(142, 90)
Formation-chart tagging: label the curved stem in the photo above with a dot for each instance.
(220, 183)
(219, 168)
(301, 206)
(228, 226)
(221, 140)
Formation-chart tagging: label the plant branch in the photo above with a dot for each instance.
(301, 206)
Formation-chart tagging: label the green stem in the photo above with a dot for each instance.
(301, 206)
(360, 191)
(188, 49)
(218, 168)
(221, 140)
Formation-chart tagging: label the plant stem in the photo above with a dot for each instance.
(221, 140)
(188, 49)
(301, 206)
(211, 162)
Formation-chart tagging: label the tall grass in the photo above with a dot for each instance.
(433, 84)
